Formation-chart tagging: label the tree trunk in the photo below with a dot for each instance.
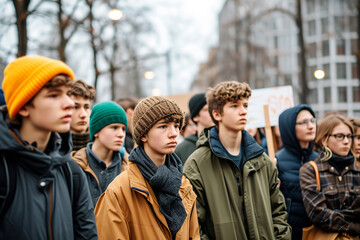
(303, 63)
(62, 26)
(21, 10)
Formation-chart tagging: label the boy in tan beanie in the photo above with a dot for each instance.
(150, 199)
(36, 169)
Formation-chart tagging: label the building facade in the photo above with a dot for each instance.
(259, 44)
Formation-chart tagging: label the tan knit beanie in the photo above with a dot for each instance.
(149, 111)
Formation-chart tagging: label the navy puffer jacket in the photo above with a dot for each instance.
(289, 160)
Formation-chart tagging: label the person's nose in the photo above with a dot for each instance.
(68, 102)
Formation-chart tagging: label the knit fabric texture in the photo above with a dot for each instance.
(196, 103)
(149, 111)
(106, 113)
(25, 77)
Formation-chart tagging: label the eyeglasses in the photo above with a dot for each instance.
(340, 136)
(313, 121)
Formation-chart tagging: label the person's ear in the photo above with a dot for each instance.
(217, 116)
(129, 112)
(196, 118)
(144, 139)
(24, 111)
(96, 135)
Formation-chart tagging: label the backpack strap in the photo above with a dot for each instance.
(318, 185)
(7, 184)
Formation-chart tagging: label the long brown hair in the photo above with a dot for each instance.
(325, 128)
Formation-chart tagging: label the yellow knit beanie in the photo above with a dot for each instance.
(24, 78)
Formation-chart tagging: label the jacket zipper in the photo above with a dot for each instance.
(51, 212)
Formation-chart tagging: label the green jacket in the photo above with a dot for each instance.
(233, 204)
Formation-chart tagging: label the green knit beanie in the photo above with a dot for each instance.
(106, 113)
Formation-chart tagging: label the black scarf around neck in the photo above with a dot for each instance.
(165, 181)
(339, 163)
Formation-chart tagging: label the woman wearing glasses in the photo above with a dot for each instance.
(356, 124)
(336, 207)
(298, 129)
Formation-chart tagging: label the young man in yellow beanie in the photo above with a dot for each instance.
(151, 199)
(101, 159)
(38, 179)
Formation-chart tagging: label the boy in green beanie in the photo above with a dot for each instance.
(151, 199)
(101, 159)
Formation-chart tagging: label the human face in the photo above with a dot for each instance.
(81, 114)
(49, 111)
(234, 116)
(189, 129)
(203, 119)
(342, 147)
(357, 143)
(305, 130)
(161, 139)
(111, 137)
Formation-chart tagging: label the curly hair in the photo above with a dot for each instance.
(326, 128)
(81, 89)
(225, 92)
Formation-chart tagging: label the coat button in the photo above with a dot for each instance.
(346, 167)
(332, 168)
(42, 184)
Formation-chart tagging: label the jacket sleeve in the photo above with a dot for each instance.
(109, 217)
(282, 229)
(83, 210)
(191, 172)
(316, 208)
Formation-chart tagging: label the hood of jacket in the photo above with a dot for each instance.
(287, 120)
(253, 149)
(28, 156)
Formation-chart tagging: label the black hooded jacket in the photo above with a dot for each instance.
(289, 160)
(42, 207)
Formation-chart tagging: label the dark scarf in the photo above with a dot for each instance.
(165, 181)
(339, 163)
(80, 140)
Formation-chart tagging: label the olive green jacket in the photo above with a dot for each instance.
(233, 204)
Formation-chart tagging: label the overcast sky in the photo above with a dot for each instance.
(191, 28)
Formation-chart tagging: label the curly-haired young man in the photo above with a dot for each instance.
(235, 181)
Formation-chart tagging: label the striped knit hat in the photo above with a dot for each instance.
(149, 111)
(26, 76)
(106, 113)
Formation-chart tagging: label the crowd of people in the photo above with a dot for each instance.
(116, 170)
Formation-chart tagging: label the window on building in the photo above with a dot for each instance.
(325, 48)
(311, 71)
(326, 68)
(339, 5)
(324, 5)
(354, 70)
(339, 24)
(354, 45)
(324, 25)
(287, 79)
(340, 46)
(341, 71)
(311, 28)
(310, 6)
(353, 21)
(313, 96)
(312, 50)
(342, 96)
(356, 94)
(327, 95)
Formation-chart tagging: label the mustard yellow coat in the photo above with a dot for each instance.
(128, 209)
